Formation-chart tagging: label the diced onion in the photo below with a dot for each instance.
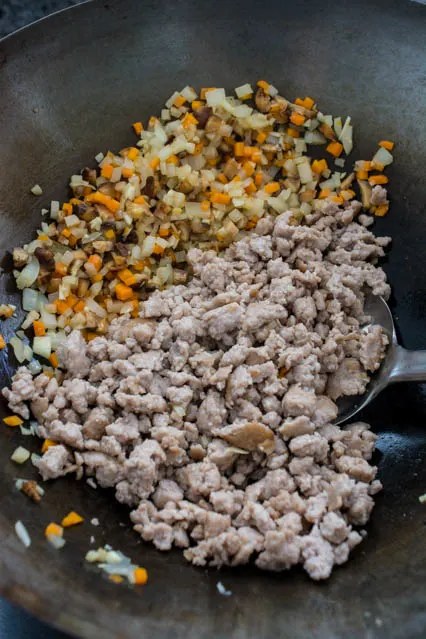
(22, 534)
(244, 90)
(56, 541)
(29, 274)
(42, 346)
(20, 455)
(382, 157)
(30, 299)
(315, 137)
(18, 348)
(48, 319)
(34, 367)
(215, 97)
(95, 308)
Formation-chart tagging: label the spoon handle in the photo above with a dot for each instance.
(409, 366)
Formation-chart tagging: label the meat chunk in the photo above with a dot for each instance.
(212, 413)
(72, 355)
(298, 401)
(54, 462)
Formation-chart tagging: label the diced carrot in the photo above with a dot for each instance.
(220, 198)
(96, 261)
(205, 205)
(297, 118)
(258, 179)
(188, 120)
(222, 178)
(67, 208)
(381, 210)
(137, 127)
(61, 307)
(256, 155)
(263, 84)
(107, 170)
(53, 359)
(239, 149)
(117, 579)
(48, 443)
(362, 175)
(158, 249)
(299, 102)
(2, 342)
(39, 328)
(308, 103)
(109, 234)
(324, 193)
(378, 179)
(213, 161)
(179, 101)
(335, 148)
(248, 168)
(66, 233)
(54, 529)
(72, 519)
(111, 204)
(387, 144)
(172, 159)
(123, 292)
(140, 199)
(198, 148)
(319, 166)
(132, 153)
(43, 238)
(127, 173)
(13, 420)
(71, 300)
(79, 307)
(272, 187)
(196, 104)
(250, 188)
(261, 137)
(97, 278)
(60, 269)
(294, 133)
(164, 232)
(127, 277)
(337, 198)
(140, 576)
(155, 163)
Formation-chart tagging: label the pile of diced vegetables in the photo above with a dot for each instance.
(201, 175)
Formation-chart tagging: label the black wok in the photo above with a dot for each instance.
(69, 87)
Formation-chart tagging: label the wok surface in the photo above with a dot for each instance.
(69, 87)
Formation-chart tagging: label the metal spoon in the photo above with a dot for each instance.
(399, 365)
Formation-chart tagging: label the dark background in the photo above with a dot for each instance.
(15, 14)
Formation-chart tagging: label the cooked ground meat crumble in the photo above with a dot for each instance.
(212, 413)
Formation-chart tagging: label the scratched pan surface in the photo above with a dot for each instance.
(69, 87)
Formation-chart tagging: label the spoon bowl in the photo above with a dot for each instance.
(399, 364)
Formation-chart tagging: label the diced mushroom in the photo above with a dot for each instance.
(262, 101)
(366, 190)
(248, 436)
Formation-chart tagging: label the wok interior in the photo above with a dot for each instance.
(71, 86)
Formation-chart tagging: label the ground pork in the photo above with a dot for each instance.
(211, 414)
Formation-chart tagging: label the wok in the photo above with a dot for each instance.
(70, 86)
